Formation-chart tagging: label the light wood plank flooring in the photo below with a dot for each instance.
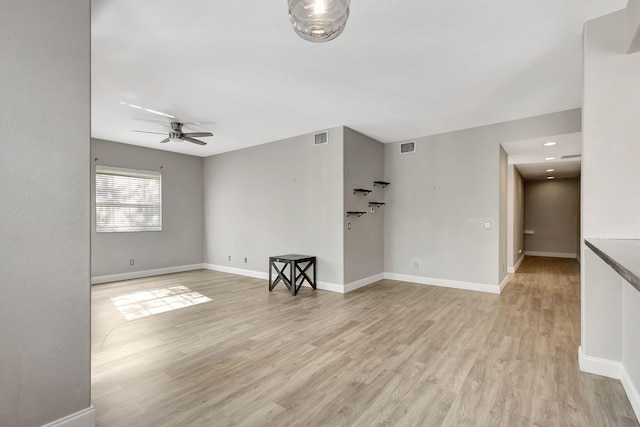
(391, 353)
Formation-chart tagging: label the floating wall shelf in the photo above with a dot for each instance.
(382, 184)
(361, 190)
(355, 213)
(377, 204)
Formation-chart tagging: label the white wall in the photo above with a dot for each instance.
(515, 219)
(610, 195)
(181, 241)
(442, 195)
(610, 146)
(503, 214)
(275, 199)
(364, 242)
(44, 212)
(551, 211)
(602, 299)
(630, 337)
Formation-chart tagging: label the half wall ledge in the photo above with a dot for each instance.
(623, 255)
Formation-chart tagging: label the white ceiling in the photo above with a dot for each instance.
(530, 156)
(401, 69)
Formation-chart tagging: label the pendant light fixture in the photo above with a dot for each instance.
(318, 20)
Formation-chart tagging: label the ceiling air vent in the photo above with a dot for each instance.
(407, 147)
(571, 156)
(321, 138)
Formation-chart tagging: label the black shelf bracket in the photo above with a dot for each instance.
(382, 184)
(376, 204)
(355, 213)
(361, 190)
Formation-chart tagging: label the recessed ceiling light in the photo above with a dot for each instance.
(550, 170)
(549, 144)
(549, 158)
(551, 177)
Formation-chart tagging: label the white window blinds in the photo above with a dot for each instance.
(128, 200)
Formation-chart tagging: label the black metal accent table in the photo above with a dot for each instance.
(298, 266)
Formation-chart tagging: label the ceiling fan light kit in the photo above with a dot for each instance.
(318, 20)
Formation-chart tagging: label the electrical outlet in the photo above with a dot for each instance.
(349, 226)
(229, 257)
(132, 261)
(245, 260)
(487, 226)
(416, 265)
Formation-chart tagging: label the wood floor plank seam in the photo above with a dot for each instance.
(391, 353)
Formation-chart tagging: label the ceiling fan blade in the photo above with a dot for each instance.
(164, 140)
(195, 141)
(198, 134)
(146, 131)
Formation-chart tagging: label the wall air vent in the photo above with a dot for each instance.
(321, 138)
(571, 156)
(408, 147)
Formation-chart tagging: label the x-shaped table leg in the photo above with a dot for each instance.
(303, 276)
(281, 276)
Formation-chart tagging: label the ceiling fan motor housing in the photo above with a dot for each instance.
(177, 135)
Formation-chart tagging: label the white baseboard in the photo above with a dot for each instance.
(145, 273)
(611, 369)
(513, 269)
(504, 282)
(238, 271)
(632, 391)
(596, 365)
(550, 254)
(84, 418)
(363, 282)
(325, 286)
(470, 286)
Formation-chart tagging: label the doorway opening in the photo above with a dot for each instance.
(543, 198)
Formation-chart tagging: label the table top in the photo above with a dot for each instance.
(621, 254)
(292, 257)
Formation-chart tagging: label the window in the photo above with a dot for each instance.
(128, 200)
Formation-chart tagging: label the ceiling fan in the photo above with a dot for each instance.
(177, 135)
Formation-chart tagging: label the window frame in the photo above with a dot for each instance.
(127, 173)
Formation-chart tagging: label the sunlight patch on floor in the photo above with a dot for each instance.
(154, 301)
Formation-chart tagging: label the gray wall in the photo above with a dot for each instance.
(610, 202)
(551, 211)
(364, 242)
(181, 241)
(442, 195)
(44, 237)
(515, 238)
(277, 198)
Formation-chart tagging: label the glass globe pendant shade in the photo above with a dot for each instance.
(318, 20)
